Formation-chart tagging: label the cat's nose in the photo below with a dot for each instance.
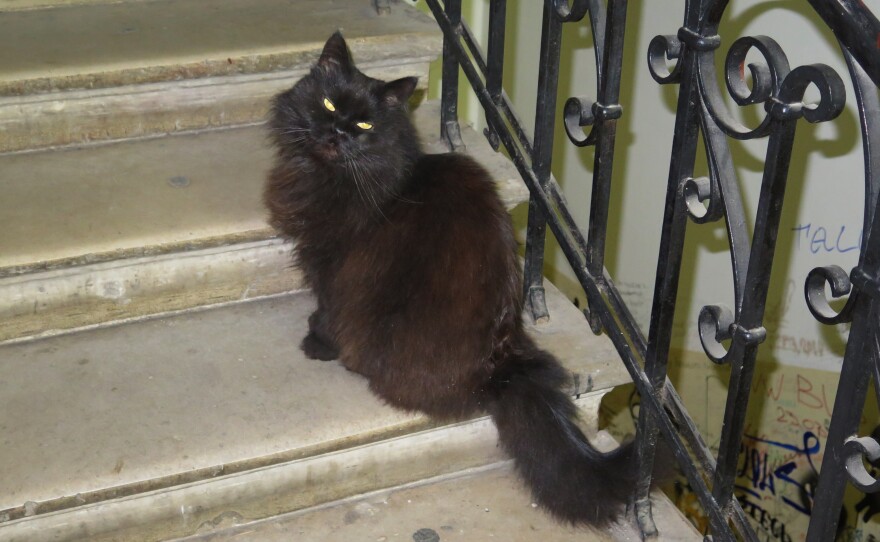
(338, 130)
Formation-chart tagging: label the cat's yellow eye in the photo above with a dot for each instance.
(364, 125)
(329, 105)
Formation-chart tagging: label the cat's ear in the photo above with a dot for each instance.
(335, 54)
(398, 91)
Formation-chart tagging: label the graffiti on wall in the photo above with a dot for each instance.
(781, 452)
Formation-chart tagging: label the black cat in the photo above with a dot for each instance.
(412, 260)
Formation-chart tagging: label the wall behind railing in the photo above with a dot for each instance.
(796, 377)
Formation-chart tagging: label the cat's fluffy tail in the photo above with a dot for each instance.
(536, 424)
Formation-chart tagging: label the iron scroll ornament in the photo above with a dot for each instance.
(837, 279)
(571, 11)
(781, 90)
(773, 83)
(581, 111)
(855, 449)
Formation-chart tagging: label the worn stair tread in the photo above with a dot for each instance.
(479, 504)
(90, 46)
(151, 196)
(118, 70)
(184, 397)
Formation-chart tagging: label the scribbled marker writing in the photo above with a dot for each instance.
(819, 239)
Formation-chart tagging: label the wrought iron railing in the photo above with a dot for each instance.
(729, 336)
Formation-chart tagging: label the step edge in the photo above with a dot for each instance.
(81, 118)
(60, 332)
(75, 94)
(276, 476)
(127, 254)
(244, 62)
(472, 443)
(61, 4)
(212, 473)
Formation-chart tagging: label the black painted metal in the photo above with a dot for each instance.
(495, 66)
(730, 335)
(859, 33)
(545, 125)
(449, 128)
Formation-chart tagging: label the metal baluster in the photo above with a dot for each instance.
(495, 60)
(449, 127)
(545, 111)
(606, 111)
(749, 331)
(684, 147)
(855, 375)
(862, 354)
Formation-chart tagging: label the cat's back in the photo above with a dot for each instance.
(456, 184)
(458, 212)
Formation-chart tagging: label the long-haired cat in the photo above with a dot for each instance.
(413, 262)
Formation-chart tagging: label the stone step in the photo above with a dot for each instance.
(480, 504)
(81, 72)
(133, 228)
(159, 428)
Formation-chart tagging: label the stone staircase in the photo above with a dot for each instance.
(152, 387)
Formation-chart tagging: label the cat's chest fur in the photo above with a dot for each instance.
(348, 246)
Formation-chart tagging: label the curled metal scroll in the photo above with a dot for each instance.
(695, 191)
(832, 94)
(577, 113)
(660, 50)
(581, 111)
(570, 10)
(715, 325)
(765, 77)
(773, 83)
(703, 199)
(855, 449)
(814, 290)
(768, 72)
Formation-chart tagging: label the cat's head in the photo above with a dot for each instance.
(338, 116)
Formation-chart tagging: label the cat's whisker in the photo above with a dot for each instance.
(361, 182)
(362, 176)
(369, 182)
(362, 157)
(356, 182)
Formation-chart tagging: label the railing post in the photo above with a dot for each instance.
(449, 127)
(495, 61)
(609, 33)
(858, 31)
(684, 151)
(855, 375)
(542, 154)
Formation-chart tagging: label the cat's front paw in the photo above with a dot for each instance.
(315, 348)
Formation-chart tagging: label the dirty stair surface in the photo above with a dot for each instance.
(477, 505)
(145, 226)
(133, 151)
(95, 203)
(151, 406)
(121, 69)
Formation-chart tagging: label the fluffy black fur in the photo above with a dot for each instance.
(412, 260)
